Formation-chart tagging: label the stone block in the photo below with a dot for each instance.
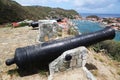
(73, 63)
(79, 62)
(76, 61)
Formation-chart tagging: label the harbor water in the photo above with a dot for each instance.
(85, 26)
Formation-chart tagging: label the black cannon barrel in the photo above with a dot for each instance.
(43, 54)
(34, 24)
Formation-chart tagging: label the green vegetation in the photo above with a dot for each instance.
(107, 20)
(43, 72)
(13, 72)
(112, 48)
(11, 11)
(118, 72)
(95, 72)
(72, 31)
(97, 57)
(93, 16)
(8, 25)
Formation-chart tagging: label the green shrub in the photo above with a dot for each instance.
(112, 47)
(118, 72)
(11, 11)
(13, 72)
(23, 24)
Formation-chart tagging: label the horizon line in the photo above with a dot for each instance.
(97, 13)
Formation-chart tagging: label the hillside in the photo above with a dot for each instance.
(40, 12)
(12, 11)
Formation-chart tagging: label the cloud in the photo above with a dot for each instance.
(59, 1)
(88, 6)
(31, 2)
(94, 4)
(97, 6)
(39, 2)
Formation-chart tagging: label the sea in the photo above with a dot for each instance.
(89, 26)
(85, 26)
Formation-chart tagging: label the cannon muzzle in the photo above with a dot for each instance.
(34, 24)
(42, 54)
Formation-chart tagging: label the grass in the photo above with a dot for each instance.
(118, 72)
(13, 72)
(20, 25)
(8, 25)
(98, 57)
(94, 72)
(23, 24)
(110, 63)
(43, 72)
(101, 60)
(95, 57)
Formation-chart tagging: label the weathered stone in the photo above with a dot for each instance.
(52, 30)
(0, 63)
(79, 57)
(49, 30)
(61, 65)
(79, 61)
(73, 63)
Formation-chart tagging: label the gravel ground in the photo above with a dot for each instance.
(10, 39)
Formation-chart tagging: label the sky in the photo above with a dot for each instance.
(81, 6)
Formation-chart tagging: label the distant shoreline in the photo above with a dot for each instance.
(101, 15)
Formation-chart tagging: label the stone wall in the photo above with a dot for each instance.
(71, 59)
(50, 30)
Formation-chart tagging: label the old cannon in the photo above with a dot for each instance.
(34, 24)
(42, 54)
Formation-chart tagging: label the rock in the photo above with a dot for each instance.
(76, 58)
(70, 60)
(79, 57)
(52, 30)
(48, 30)
(0, 63)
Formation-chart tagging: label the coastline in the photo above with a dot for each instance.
(101, 15)
(86, 26)
(113, 22)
